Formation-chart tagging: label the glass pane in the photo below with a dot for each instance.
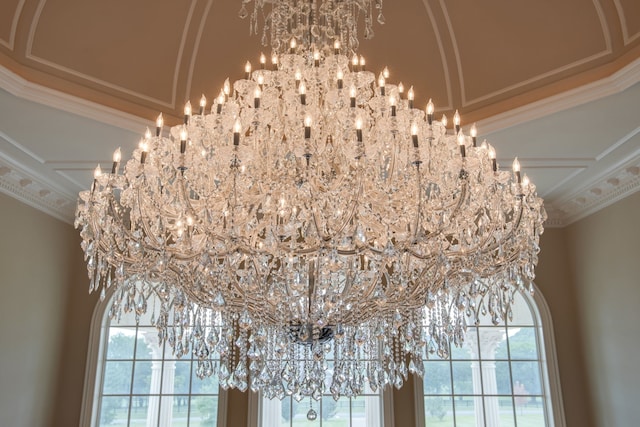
(530, 411)
(168, 376)
(114, 411)
(526, 378)
(204, 411)
(463, 378)
(502, 378)
(147, 343)
(522, 315)
(182, 377)
(505, 409)
(333, 413)
(438, 411)
(142, 378)
(117, 377)
(206, 385)
(139, 409)
(437, 377)
(468, 409)
(491, 338)
(180, 411)
(522, 343)
(466, 352)
(121, 342)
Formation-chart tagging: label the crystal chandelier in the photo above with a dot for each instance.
(312, 229)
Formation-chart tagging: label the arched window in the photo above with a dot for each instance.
(499, 377)
(135, 380)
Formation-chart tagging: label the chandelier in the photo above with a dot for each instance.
(312, 231)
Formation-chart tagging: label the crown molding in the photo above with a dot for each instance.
(35, 190)
(615, 184)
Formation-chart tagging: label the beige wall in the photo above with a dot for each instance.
(40, 261)
(588, 273)
(605, 259)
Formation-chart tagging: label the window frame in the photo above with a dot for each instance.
(95, 366)
(549, 365)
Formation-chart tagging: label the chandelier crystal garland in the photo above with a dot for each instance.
(312, 228)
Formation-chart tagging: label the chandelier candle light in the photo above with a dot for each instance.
(312, 229)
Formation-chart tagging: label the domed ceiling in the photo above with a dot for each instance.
(486, 58)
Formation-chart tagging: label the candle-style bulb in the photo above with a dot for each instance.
(340, 77)
(203, 103)
(400, 89)
(392, 103)
(456, 121)
(474, 134)
(444, 120)
(302, 90)
(516, 170)
(274, 60)
(263, 60)
(525, 181)
(237, 126)
(292, 45)
(362, 63)
(257, 94)
(336, 47)
(183, 139)
(359, 129)
(117, 155)
(187, 112)
(410, 96)
(385, 72)
(159, 124)
(226, 87)
(144, 149)
(354, 62)
(147, 134)
(430, 107)
(97, 172)
(247, 69)
(381, 84)
(352, 96)
(492, 157)
(414, 134)
(463, 148)
(307, 127)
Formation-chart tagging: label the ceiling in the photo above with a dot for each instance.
(554, 83)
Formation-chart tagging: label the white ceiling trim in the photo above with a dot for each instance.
(611, 85)
(35, 190)
(443, 57)
(169, 105)
(465, 102)
(196, 46)
(623, 24)
(21, 88)
(14, 25)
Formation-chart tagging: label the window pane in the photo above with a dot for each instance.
(505, 411)
(206, 385)
(500, 377)
(204, 411)
(113, 410)
(139, 410)
(182, 377)
(121, 342)
(526, 378)
(333, 413)
(462, 378)
(530, 411)
(438, 411)
(142, 378)
(437, 377)
(522, 343)
(117, 377)
(491, 338)
(467, 409)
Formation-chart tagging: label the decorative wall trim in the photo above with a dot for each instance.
(9, 44)
(443, 57)
(615, 83)
(35, 190)
(628, 39)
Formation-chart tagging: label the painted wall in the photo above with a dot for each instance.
(588, 273)
(605, 259)
(40, 261)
